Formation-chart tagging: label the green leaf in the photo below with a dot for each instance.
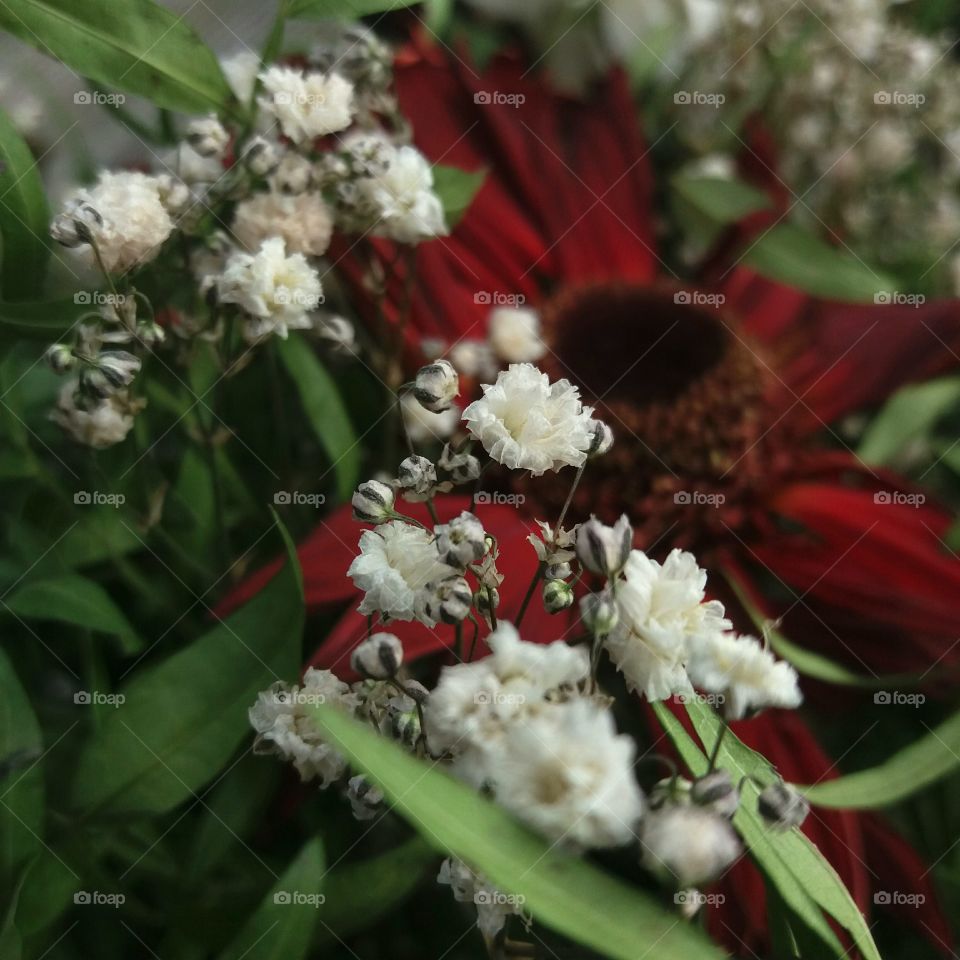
(75, 600)
(344, 9)
(905, 773)
(805, 880)
(41, 320)
(792, 255)
(456, 189)
(21, 780)
(11, 943)
(24, 217)
(281, 928)
(359, 894)
(325, 410)
(721, 200)
(560, 889)
(908, 415)
(182, 720)
(139, 47)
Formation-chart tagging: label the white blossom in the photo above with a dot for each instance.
(304, 222)
(396, 560)
(493, 907)
(461, 541)
(422, 426)
(378, 657)
(307, 105)
(101, 424)
(688, 844)
(526, 423)
(514, 334)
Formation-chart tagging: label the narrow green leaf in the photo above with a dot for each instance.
(792, 255)
(456, 189)
(24, 217)
(908, 415)
(806, 881)
(721, 200)
(41, 320)
(359, 894)
(21, 779)
(344, 9)
(140, 47)
(905, 773)
(282, 926)
(75, 600)
(182, 720)
(11, 943)
(325, 410)
(560, 889)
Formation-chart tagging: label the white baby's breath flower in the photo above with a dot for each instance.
(493, 907)
(749, 677)
(100, 424)
(527, 423)
(131, 221)
(687, 844)
(307, 105)
(241, 69)
(515, 334)
(208, 136)
(277, 290)
(461, 541)
(422, 425)
(283, 720)
(567, 773)
(661, 608)
(396, 560)
(304, 222)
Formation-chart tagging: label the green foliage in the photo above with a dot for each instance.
(344, 9)
(456, 189)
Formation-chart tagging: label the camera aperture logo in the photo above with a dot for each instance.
(298, 898)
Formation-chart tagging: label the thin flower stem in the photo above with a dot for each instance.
(569, 500)
(459, 641)
(533, 586)
(473, 640)
(491, 608)
(716, 747)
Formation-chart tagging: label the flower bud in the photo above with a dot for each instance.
(436, 385)
(74, 226)
(599, 613)
(716, 792)
(338, 332)
(461, 541)
(782, 806)
(364, 797)
(687, 844)
(448, 600)
(558, 571)
(462, 467)
(486, 600)
(602, 549)
(373, 502)
(417, 478)
(378, 657)
(293, 174)
(601, 438)
(261, 157)
(111, 371)
(60, 357)
(208, 137)
(557, 596)
(150, 333)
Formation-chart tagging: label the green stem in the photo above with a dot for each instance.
(533, 586)
(716, 747)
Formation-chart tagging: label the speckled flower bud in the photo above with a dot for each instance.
(417, 478)
(599, 613)
(261, 157)
(60, 357)
(365, 798)
(208, 137)
(717, 792)
(373, 502)
(557, 596)
(602, 549)
(601, 438)
(461, 467)
(436, 385)
(448, 600)
(461, 541)
(782, 806)
(558, 571)
(378, 657)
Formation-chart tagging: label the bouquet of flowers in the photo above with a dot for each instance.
(480, 480)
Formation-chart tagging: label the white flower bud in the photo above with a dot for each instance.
(364, 797)
(150, 334)
(558, 571)
(373, 502)
(599, 613)
(687, 844)
(782, 806)
(338, 332)
(417, 478)
(486, 600)
(436, 385)
(461, 541)
(462, 467)
(557, 596)
(716, 791)
(59, 357)
(293, 174)
(76, 224)
(378, 657)
(111, 371)
(261, 157)
(601, 438)
(448, 600)
(208, 137)
(602, 549)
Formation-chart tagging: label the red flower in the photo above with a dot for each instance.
(720, 412)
